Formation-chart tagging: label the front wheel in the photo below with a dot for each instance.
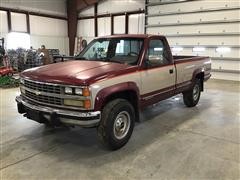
(116, 124)
(191, 97)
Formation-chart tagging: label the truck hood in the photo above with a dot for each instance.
(76, 72)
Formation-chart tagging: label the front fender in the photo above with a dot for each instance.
(103, 94)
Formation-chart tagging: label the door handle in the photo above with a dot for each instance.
(171, 71)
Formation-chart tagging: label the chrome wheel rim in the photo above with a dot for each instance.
(121, 125)
(195, 92)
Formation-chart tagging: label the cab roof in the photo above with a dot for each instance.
(131, 36)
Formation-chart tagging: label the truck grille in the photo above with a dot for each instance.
(42, 87)
(44, 99)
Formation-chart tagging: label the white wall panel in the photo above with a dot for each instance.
(113, 6)
(87, 12)
(227, 65)
(48, 26)
(19, 23)
(119, 25)
(49, 32)
(57, 7)
(209, 28)
(104, 26)
(136, 24)
(85, 28)
(198, 17)
(3, 23)
(216, 40)
(234, 53)
(51, 42)
(190, 6)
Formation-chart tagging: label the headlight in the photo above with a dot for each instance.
(68, 90)
(78, 91)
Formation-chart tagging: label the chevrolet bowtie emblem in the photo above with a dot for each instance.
(37, 93)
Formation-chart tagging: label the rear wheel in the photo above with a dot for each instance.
(191, 97)
(117, 124)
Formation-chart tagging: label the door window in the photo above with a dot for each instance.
(157, 54)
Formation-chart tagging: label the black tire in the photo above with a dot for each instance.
(191, 97)
(111, 125)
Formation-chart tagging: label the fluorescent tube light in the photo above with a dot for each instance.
(177, 49)
(158, 49)
(223, 49)
(199, 49)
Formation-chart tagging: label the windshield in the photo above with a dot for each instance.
(119, 50)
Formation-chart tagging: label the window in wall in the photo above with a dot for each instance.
(120, 47)
(19, 22)
(18, 40)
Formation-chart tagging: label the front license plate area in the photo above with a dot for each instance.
(34, 115)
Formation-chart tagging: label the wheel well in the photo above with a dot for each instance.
(128, 95)
(201, 77)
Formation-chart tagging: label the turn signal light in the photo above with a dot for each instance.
(87, 104)
(86, 92)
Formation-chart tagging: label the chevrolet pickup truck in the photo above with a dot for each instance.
(109, 83)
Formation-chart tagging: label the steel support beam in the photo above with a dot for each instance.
(146, 14)
(112, 24)
(28, 23)
(9, 20)
(72, 24)
(96, 19)
(126, 23)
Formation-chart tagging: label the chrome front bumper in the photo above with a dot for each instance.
(42, 114)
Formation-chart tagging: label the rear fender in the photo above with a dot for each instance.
(199, 73)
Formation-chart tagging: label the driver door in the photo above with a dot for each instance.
(158, 76)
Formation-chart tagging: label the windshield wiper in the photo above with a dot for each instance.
(115, 61)
(81, 58)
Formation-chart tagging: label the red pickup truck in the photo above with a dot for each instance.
(107, 85)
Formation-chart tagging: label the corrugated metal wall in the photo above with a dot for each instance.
(200, 27)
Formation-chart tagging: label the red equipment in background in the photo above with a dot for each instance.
(6, 69)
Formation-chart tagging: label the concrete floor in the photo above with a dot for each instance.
(171, 142)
